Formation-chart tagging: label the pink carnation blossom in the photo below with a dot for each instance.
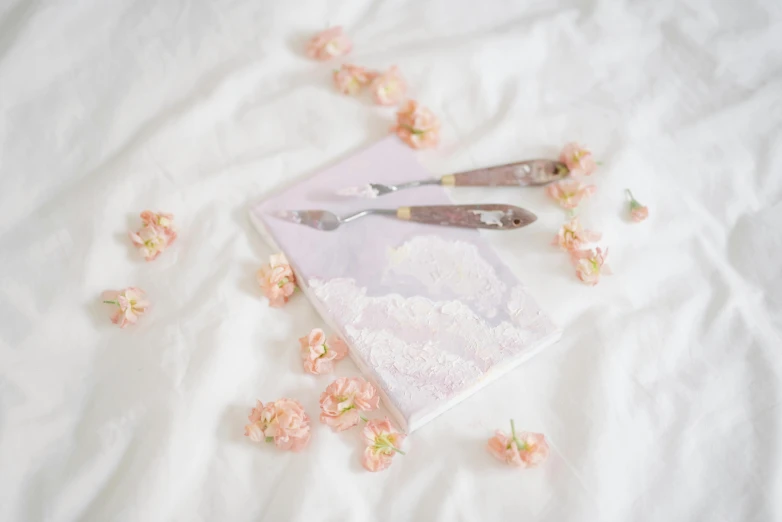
(162, 220)
(151, 241)
(277, 280)
(523, 449)
(318, 354)
(417, 126)
(329, 44)
(283, 422)
(389, 88)
(383, 442)
(127, 305)
(578, 160)
(349, 79)
(569, 192)
(590, 265)
(638, 212)
(343, 401)
(572, 236)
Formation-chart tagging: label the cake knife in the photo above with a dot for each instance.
(530, 173)
(496, 217)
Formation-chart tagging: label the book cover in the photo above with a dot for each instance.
(430, 313)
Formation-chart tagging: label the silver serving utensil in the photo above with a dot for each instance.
(530, 173)
(496, 217)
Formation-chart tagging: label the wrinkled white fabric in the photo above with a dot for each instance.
(661, 401)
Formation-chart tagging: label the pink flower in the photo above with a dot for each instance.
(572, 236)
(277, 280)
(343, 399)
(569, 192)
(521, 449)
(577, 159)
(590, 264)
(162, 220)
(389, 88)
(328, 44)
(151, 240)
(638, 212)
(127, 305)
(283, 422)
(383, 442)
(417, 126)
(318, 355)
(349, 79)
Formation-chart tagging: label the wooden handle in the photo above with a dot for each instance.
(523, 173)
(496, 217)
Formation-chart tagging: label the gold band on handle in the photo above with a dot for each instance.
(448, 180)
(403, 213)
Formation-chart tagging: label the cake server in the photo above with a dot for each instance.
(496, 217)
(530, 173)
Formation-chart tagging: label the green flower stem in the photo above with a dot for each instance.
(111, 302)
(269, 439)
(363, 418)
(413, 130)
(520, 445)
(386, 444)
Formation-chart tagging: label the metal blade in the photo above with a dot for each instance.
(319, 219)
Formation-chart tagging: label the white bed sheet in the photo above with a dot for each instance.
(662, 400)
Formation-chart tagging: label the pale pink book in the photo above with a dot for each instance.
(430, 313)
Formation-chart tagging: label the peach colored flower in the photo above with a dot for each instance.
(383, 442)
(349, 79)
(127, 305)
(389, 88)
(151, 240)
(162, 220)
(417, 126)
(523, 449)
(343, 399)
(319, 355)
(277, 280)
(254, 431)
(572, 236)
(638, 212)
(329, 44)
(590, 265)
(283, 422)
(569, 192)
(577, 159)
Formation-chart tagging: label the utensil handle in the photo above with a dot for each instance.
(522, 173)
(496, 217)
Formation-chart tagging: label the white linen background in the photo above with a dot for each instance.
(661, 401)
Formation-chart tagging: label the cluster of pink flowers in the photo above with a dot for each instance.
(572, 237)
(416, 125)
(341, 406)
(286, 424)
(283, 422)
(569, 193)
(157, 233)
(277, 280)
(319, 354)
(523, 449)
